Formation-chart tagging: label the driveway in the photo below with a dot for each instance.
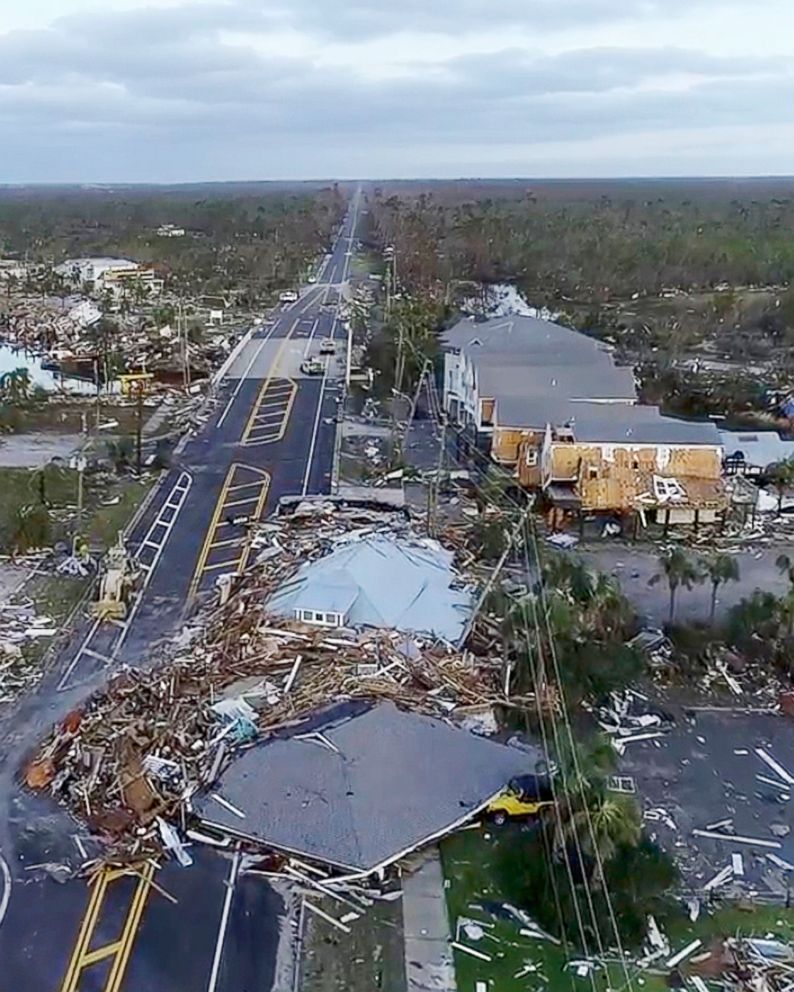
(635, 567)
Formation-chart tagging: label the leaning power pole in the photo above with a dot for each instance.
(435, 484)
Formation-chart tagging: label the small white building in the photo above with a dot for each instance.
(170, 231)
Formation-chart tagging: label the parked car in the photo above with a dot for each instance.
(288, 296)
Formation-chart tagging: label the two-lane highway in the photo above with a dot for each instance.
(271, 433)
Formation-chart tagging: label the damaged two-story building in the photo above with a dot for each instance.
(549, 404)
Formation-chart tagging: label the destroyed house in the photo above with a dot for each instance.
(548, 403)
(376, 580)
(632, 460)
(359, 787)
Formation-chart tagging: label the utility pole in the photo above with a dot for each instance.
(78, 463)
(182, 335)
(138, 426)
(502, 559)
(433, 490)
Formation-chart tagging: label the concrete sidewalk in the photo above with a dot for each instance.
(429, 964)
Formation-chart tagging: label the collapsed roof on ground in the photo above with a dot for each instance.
(358, 788)
(375, 580)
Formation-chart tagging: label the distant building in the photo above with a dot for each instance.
(170, 231)
(124, 281)
(90, 271)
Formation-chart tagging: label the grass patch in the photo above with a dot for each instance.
(105, 522)
(68, 416)
(471, 861)
(57, 488)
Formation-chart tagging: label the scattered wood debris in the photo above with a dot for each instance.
(131, 759)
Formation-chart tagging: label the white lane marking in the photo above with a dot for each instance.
(172, 504)
(244, 377)
(315, 431)
(224, 924)
(311, 337)
(6, 897)
(327, 363)
(306, 300)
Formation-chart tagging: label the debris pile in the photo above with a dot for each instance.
(134, 756)
(628, 718)
(20, 624)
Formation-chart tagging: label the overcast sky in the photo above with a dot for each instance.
(180, 90)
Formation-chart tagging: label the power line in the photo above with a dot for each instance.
(575, 760)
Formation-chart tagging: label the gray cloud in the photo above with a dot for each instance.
(157, 93)
(364, 18)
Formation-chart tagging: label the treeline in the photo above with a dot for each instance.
(587, 250)
(248, 243)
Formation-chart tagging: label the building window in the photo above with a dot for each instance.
(320, 617)
(531, 457)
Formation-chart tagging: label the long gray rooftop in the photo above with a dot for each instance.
(518, 334)
(384, 782)
(568, 381)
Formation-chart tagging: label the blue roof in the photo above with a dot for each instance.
(379, 581)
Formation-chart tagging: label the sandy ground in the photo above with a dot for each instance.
(35, 450)
(634, 568)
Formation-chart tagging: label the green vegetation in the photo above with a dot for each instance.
(571, 630)
(39, 507)
(246, 240)
(679, 571)
(477, 868)
(592, 249)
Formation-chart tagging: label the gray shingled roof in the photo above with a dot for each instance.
(611, 425)
(537, 410)
(517, 334)
(387, 782)
(568, 381)
(379, 581)
(604, 423)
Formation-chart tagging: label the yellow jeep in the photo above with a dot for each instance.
(524, 796)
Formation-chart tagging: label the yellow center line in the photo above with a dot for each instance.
(119, 966)
(216, 515)
(222, 505)
(234, 562)
(100, 954)
(85, 933)
(226, 544)
(270, 376)
(282, 427)
(240, 502)
(120, 950)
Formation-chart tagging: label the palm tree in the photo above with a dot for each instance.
(613, 821)
(15, 386)
(719, 569)
(781, 475)
(680, 571)
(601, 821)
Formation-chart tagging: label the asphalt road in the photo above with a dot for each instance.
(270, 433)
